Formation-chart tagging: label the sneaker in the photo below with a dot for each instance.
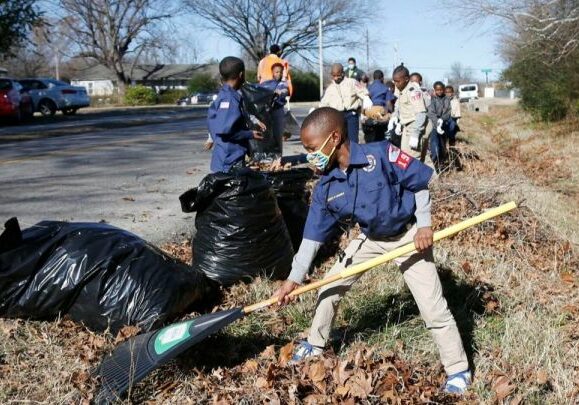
(305, 350)
(458, 383)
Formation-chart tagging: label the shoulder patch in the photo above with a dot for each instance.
(224, 105)
(372, 163)
(398, 157)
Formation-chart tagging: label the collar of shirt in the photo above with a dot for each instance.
(357, 159)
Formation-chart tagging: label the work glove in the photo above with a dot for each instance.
(439, 126)
(398, 129)
(366, 103)
(392, 123)
(413, 141)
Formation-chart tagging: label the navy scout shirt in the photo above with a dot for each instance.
(228, 125)
(377, 192)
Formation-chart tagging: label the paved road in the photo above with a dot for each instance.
(130, 177)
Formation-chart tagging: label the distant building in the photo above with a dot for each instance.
(101, 81)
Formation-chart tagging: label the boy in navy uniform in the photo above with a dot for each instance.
(385, 191)
(228, 120)
(281, 90)
(380, 93)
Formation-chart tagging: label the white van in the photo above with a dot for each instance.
(467, 92)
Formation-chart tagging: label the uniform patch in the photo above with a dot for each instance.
(399, 158)
(417, 95)
(372, 163)
(224, 105)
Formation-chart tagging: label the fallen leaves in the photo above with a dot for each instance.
(502, 387)
(125, 333)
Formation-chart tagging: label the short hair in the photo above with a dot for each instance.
(230, 67)
(326, 119)
(277, 64)
(416, 74)
(378, 75)
(449, 87)
(400, 69)
(275, 48)
(389, 83)
(437, 83)
(352, 59)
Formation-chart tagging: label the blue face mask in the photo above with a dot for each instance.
(318, 158)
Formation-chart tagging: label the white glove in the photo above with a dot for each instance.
(458, 121)
(366, 103)
(439, 126)
(398, 129)
(393, 121)
(413, 141)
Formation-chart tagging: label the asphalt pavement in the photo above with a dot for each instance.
(127, 176)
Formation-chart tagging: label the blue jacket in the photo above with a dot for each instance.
(273, 85)
(377, 192)
(228, 124)
(380, 94)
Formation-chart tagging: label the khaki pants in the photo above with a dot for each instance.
(421, 278)
(422, 153)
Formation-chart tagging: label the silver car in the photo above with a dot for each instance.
(50, 96)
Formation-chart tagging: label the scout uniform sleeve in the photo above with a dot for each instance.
(431, 113)
(412, 174)
(221, 123)
(319, 222)
(303, 260)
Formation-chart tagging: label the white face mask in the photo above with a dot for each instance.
(352, 65)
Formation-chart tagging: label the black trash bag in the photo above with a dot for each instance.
(374, 130)
(290, 187)
(240, 229)
(259, 102)
(97, 274)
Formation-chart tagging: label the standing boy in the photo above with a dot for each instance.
(409, 118)
(228, 120)
(454, 114)
(439, 116)
(280, 88)
(385, 191)
(348, 96)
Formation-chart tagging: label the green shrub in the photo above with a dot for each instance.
(171, 96)
(203, 83)
(306, 86)
(140, 95)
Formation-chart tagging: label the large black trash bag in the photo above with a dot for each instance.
(97, 274)
(259, 103)
(240, 229)
(293, 197)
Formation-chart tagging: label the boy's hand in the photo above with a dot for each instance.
(423, 239)
(282, 293)
(208, 145)
(261, 125)
(258, 136)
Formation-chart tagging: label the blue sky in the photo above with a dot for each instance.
(428, 40)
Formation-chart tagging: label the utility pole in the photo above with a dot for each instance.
(321, 57)
(367, 52)
(57, 63)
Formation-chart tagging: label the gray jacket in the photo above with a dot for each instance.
(439, 108)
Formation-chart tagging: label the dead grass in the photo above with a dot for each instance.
(512, 284)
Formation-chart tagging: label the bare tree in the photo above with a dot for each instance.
(554, 24)
(460, 74)
(116, 32)
(256, 24)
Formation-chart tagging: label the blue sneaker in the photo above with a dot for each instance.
(305, 350)
(458, 383)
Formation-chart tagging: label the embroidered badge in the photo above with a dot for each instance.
(399, 158)
(224, 105)
(416, 96)
(372, 163)
(332, 198)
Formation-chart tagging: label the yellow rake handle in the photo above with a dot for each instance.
(398, 252)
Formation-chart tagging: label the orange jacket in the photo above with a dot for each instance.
(264, 70)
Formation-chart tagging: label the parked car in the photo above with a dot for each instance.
(467, 92)
(50, 96)
(197, 98)
(15, 102)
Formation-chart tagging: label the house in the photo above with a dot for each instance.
(101, 81)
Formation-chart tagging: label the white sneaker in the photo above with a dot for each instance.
(458, 383)
(305, 350)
